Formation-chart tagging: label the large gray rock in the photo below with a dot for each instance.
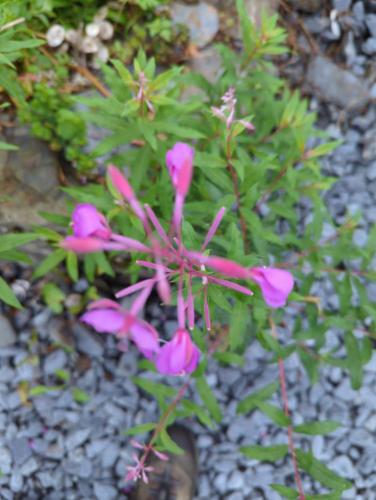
(336, 85)
(29, 179)
(202, 21)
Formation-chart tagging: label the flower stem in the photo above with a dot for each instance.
(282, 380)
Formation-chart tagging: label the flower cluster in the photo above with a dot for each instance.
(88, 41)
(169, 261)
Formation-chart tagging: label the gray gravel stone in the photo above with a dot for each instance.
(342, 5)
(7, 333)
(343, 466)
(20, 450)
(235, 481)
(360, 237)
(5, 460)
(202, 21)
(326, 78)
(57, 360)
(104, 491)
(109, 455)
(87, 342)
(76, 438)
(16, 482)
(29, 467)
(369, 47)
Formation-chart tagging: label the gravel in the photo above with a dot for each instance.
(58, 448)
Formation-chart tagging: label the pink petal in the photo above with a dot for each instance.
(134, 288)
(213, 228)
(275, 284)
(130, 243)
(230, 284)
(82, 245)
(103, 304)
(146, 338)
(104, 320)
(227, 267)
(87, 221)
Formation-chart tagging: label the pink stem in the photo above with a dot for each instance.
(213, 228)
(134, 288)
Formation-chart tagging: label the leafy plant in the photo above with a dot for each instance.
(252, 157)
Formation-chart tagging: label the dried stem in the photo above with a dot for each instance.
(282, 379)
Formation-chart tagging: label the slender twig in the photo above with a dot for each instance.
(282, 379)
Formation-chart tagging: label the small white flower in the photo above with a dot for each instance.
(73, 37)
(106, 30)
(55, 35)
(92, 30)
(89, 45)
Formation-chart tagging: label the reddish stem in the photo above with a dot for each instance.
(282, 380)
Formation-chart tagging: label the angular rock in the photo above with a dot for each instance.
(29, 181)
(207, 62)
(7, 333)
(87, 342)
(55, 361)
(20, 450)
(202, 21)
(76, 438)
(325, 78)
(104, 491)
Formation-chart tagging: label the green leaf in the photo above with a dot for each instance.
(40, 390)
(139, 429)
(208, 398)
(354, 360)
(154, 388)
(197, 410)
(5, 146)
(14, 45)
(323, 149)
(314, 428)
(49, 263)
(320, 472)
(247, 28)
(274, 413)
(269, 453)
(238, 325)
(168, 444)
(13, 240)
(62, 375)
(72, 266)
(53, 297)
(229, 358)
(250, 402)
(80, 396)
(7, 295)
(124, 74)
(285, 491)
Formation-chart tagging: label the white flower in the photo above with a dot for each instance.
(55, 35)
(92, 30)
(106, 30)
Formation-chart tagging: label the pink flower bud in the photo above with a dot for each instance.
(178, 356)
(227, 267)
(179, 162)
(275, 284)
(87, 221)
(120, 183)
(82, 245)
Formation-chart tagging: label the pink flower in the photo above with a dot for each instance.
(108, 317)
(87, 221)
(179, 161)
(179, 356)
(275, 284)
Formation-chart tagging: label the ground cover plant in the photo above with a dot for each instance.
(242, 157)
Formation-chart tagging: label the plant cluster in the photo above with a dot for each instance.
(253, 155)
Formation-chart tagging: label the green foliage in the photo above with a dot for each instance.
(52, 118)
(273, 165)
(53, 297)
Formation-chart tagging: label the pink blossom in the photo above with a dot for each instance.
(178, 356)
(82, 245)
(275, 284)
(124, 324)
(179, 161)
(88, 221)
